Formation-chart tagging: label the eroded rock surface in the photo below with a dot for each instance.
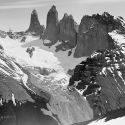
(93, 34)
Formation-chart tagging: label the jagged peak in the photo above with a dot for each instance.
(34, 12)
(53, 11)
(70, 16)
(98, 16)
(65, 15)
(53, 8)
(106, 14)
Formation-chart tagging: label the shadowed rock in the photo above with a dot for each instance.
(93, 34)
(51, 25)
(35, 28)
(102, 78)
(67, 31)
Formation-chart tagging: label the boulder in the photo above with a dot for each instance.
(32, 95)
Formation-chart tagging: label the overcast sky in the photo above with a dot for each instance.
(15, 14)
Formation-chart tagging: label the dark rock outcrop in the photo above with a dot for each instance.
(25, 114)
(30, 51)
(64, 30)
(52, 26)
(93, 34)
(102, 80)
(3, 34)
(67, 31)
(35, 28)
(1, 47)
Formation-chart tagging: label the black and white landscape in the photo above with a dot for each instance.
(63, 72)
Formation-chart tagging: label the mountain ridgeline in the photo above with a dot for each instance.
(101, 78)
(37, 94)
(90, 35)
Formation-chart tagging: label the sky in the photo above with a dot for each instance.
(15, 14)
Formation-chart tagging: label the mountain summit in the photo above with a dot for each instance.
(35, 27)
(51, 25)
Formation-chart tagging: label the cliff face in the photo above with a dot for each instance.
(35, 28)
(52, 25)
(101, 78)
(93, 34)
(67, 31)
(89, 36)
(64, 30)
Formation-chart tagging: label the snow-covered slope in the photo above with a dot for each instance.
(67, 62)
(42, 79)
(40, 58)
(119, 39)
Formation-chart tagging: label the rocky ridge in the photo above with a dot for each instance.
(101, 79)
(93, 33)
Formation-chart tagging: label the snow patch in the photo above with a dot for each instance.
(117, 121)
(118, 38)
(13, 99)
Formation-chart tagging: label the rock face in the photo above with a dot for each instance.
(67, 31)
(51, 25)
(101, 78)
(93, 34)
(35, 28)
(64, 30)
